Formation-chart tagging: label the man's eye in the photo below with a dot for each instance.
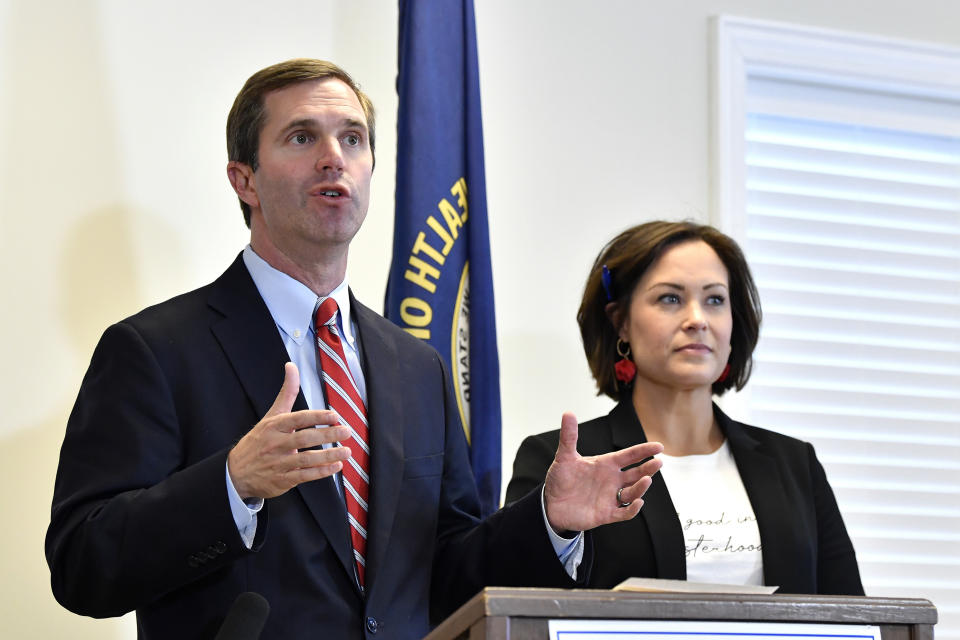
(301, 138)
(351, 139)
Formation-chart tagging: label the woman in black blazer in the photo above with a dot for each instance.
(670, 317)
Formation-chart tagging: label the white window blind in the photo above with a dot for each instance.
(839, 173)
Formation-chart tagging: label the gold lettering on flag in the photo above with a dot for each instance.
(427, 257)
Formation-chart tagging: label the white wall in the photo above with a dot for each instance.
(114, 192)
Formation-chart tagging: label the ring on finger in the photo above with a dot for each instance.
(620, 503)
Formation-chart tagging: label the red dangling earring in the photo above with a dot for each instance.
(624, 369)
(723, 374)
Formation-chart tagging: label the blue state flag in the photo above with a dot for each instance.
(441, 288)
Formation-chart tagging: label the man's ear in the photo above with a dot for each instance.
(615, 315)
(241, 179)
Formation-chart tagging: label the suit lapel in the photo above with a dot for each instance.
(658, 513)
(258, 363)
(381, 367)
(764, 487)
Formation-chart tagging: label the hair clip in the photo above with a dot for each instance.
(607, 282)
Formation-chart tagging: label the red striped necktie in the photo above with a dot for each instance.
(344, 398)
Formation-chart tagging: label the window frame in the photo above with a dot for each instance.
(741, 47)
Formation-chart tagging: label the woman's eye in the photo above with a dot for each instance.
(716, 301)
(669, 298)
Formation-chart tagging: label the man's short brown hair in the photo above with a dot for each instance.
(627, 257)
(248, 114)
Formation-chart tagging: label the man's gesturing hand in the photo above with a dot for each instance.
(273, 457)
(582, 493)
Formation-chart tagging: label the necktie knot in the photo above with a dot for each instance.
(326, 313)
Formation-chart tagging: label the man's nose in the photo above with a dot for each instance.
(330, 156)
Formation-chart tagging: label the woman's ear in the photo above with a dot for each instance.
(615, 315)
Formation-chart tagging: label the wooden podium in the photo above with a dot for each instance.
(522, 614)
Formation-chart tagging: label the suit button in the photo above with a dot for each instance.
(372, 625)
(220, 547)
(193, 561)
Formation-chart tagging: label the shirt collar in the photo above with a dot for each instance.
(291, 302)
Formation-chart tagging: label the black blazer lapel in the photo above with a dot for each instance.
(381, 368)
(252, 344)
(658, 513)
(248, 336)
(764, 485)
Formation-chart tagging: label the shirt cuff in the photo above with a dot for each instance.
(244, 511)
(569, 550)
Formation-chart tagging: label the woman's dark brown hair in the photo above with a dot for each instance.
(627, 257)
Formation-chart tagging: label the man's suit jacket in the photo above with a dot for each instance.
(805, 546)
(141, 518)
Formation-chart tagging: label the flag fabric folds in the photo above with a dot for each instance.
(440, 287)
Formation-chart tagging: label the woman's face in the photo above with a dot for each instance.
(679, 320)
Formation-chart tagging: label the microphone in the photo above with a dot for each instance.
(246, 618)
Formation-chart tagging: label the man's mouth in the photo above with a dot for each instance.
(330, 191)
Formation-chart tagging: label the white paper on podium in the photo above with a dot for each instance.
(706, 630)
(685, 586)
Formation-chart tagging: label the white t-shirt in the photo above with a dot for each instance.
(719, 527)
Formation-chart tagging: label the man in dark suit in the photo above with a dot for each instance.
(190, 471)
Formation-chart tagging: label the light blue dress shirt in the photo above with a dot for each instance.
(291, 304)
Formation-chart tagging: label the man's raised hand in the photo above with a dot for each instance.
(581, 493)
(278, 453)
